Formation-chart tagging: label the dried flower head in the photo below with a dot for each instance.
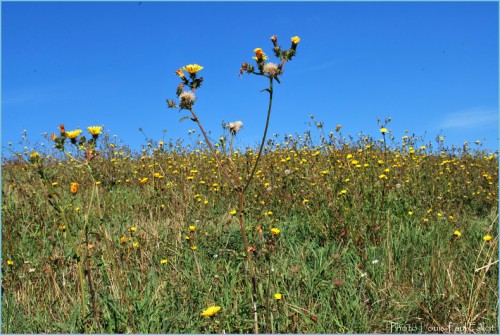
(187, 99)
(271, 69)
(234, 127)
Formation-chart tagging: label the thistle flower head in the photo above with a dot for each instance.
(192, 68)
(271, 69)
(187, 99)
(295, 40)
(259, 55)
(234, 127)
(73, 134)
(95, 130)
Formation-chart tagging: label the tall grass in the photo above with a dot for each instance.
(375, 236)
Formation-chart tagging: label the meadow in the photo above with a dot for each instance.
(348, 234)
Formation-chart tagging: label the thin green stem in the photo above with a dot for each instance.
(270, 90)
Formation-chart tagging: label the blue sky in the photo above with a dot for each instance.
(431, 67)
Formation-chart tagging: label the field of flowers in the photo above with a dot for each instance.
(318, 232)
(347, 235)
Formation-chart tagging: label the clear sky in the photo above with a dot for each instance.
(431, 67)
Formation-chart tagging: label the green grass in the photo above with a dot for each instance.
(345, 262)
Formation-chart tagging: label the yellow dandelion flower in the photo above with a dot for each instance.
(383, 130)
(163, 261)
(192, 68)
(295, 40)
(192, 228)
(210, 311)
(275, 231)
(74, 187)
(194, 247)
(94, 130)
(73, 134)
(457, 233)
(123, 240)
(132, 229)
(10, 262)
(233, 212)
(278, 296)
(144, 180)
(487, 238)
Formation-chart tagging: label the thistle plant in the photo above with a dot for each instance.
(186, 99)
(85, 153)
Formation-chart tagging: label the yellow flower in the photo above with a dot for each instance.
(194, 247)
(123, 239)
(34, 155)
(192, 68)
(136, 245)
(74, 187)
(180, 73)
(9, 262)
(233, 212)
(132, 229)
(457, 233)
(295, 40)
(259, 54)
(73, 134)
(278, 296)
(487, 238)
(210, 311)
(163, 261)
(144, 180)
(95, 130)
(305, 201)
(192, 228)
(275, 231)
(62, 227)
(383, 130)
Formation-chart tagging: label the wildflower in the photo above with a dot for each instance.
(10, 262)
(375, 261)
(487, 238)
(192, 68)
(349, 156)
(457, 233)
(278, 296)
(98, 183)
(61, 129)
(132, 229)
(233, 212)
(62, 227)
(123, 240)
(259, 55)
(95, 130)
(180, 73)
(194, 247)
(234, 127)
(295, 40)
(34, 155)
(342, 192)
(163, 261)
(144, 180)
(73, 134)
(271, 69)
(187, 99)
(54, 183)
(383, 130)
(210, 311)
(136, 245)
(74, 187)
(275, 231)
(410, 213)
(192, 228)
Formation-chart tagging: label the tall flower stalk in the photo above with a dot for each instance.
(186, 100)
